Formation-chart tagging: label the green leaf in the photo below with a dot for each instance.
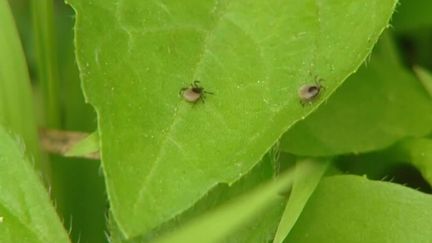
(308, 174)
(354, 209)
(224, 221)
(135, 56)
(373, 109)
(405, 162)
(16, 104)
(25, 209)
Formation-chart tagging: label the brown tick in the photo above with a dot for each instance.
(194, 92)
(309, 92)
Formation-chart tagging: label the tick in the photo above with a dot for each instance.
(309, 92)
(194, 92)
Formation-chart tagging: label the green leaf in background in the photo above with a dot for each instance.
(16, 104)
(407, 162)
(413, 22)
(134, 57)
(425, 78)
(261, 229)
(354, 209)
(225, 220)
(80, 198)
(419, 153)
(308, 174)
(26, 212)
(416, 151)
(413, 15)
(373, 109)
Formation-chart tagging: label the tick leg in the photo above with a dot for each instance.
(182, 90)
(208, 92)
(302, 103)
(318, 81)
(196, 83)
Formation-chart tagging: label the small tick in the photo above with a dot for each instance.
(309, 92)
(194, 92)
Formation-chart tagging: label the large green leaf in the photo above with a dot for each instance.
(354, 209)
(161, 154)
(373, 109)
(26, 212)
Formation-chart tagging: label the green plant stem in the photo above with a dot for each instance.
(46, 56)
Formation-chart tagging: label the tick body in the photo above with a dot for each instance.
(194, 92)
(309, 92)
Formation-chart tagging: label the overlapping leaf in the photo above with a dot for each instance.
(354, 209)
(26, 212)
(261, 230)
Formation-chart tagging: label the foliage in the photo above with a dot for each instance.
(255, 160)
